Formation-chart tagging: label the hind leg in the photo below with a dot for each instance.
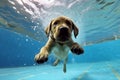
(64, 66)
(56, 62)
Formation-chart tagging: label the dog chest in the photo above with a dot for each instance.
(61, 51)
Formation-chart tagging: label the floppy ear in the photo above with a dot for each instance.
(75, 29)
(48, 29)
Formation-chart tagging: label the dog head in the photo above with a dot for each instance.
(60, 29)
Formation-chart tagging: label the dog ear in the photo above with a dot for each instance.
(75, 29)
(48, 29)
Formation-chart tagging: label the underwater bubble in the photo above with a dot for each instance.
(24, 64)
(32, 21)
(26, 35)
(13, 3)
(18, 12)
(25, 17)
(26, 40)
(14, 7)
(34, 64)
(38, 23)
(115, 37)
(34, 28)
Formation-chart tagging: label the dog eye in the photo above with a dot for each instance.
(68, 22)
(56, 22)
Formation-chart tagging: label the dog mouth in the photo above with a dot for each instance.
(63, 38)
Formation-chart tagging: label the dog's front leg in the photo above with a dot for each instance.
(42, 56)
(76, 48)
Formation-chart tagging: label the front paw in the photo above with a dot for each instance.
(77, 49)
(41, 58)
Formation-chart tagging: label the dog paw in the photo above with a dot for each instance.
(41, 58)
(77, 49)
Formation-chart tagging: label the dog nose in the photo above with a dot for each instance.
(63, 29)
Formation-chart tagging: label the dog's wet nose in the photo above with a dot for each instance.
(63, 29)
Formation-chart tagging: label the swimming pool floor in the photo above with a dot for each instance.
(76, 71)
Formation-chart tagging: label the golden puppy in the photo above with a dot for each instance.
(60, 41)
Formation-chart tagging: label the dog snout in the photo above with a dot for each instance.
(63, 29)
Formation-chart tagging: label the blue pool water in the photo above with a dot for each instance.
(22, 24)
(100, 61)
(76, 71)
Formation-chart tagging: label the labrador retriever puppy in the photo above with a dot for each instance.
(60, 41)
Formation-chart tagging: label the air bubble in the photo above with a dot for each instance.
(26, 40)
(115, 37)
(24, 64)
